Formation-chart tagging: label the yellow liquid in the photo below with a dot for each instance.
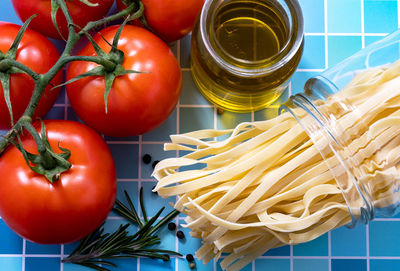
(245, 34)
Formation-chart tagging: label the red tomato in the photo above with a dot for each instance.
(81, 14)
(137, 102)
(71, 207)
(39, 54)
(170, 19)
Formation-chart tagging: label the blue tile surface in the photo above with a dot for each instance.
(340, 9)
(344, 249)
(313, 13)
(314, 53)
(349, 265)
(311, 264)
(349, 242)
(380, 16)
(316, 247)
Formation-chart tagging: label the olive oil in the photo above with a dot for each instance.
(237, 50)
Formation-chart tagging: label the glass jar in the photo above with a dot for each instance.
(243, 52)
(356, 131)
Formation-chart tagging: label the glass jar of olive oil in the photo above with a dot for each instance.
(244, 51)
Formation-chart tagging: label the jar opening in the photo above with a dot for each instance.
(248, 37)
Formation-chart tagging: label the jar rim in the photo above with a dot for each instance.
(286, 52)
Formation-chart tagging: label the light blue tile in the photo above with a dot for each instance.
(11, 263)
(344, 16)
(341, 47)
(162, 132)
(8, 14)
(279, 251)
(126, 160)
(349, 242)
(311, 264)
(190, 94)
(246, 268)
(192, 119)
(189, 244)
(10, 243)
(386, 265)
(183, 265)
(33, 248)
(168, 239)
(313, 13)
(185, 51)
(157, 153)
(156, 265)
(384, 238)
(299, 79)
(316, 247)
(348, 265)
(314, 53)
(153, 202)
(380, 16)
(272, 264)
(371, 39)
(42, 264)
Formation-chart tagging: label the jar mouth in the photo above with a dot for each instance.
(274, 62)
(317, 126)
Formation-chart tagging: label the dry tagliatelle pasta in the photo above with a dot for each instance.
(266, 184)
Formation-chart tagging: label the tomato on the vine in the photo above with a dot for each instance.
(71, 207)
(170, 19)
(137, 102)
(80, 12)
(38, 53)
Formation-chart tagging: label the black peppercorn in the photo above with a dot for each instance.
(146, 158)
(166, 259)
(189, 258)
(171, 226)
(180, 234)
(155, 163)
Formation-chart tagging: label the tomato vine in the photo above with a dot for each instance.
(8, 65)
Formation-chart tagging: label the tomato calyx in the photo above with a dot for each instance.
(47, 162)
(110, 64)
(6, 68)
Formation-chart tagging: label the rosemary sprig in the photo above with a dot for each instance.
(97, 249)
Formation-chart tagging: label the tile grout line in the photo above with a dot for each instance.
(23, 253)
(291, 258)
(362, 24)
(347, 34)
(326, 32)
(398, 13)
(329, 251)
(62, 256)
(367, 245)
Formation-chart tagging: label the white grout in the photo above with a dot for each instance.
(362, 24)
(347, 34)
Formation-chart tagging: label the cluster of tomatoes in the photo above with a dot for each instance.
(77, 203)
